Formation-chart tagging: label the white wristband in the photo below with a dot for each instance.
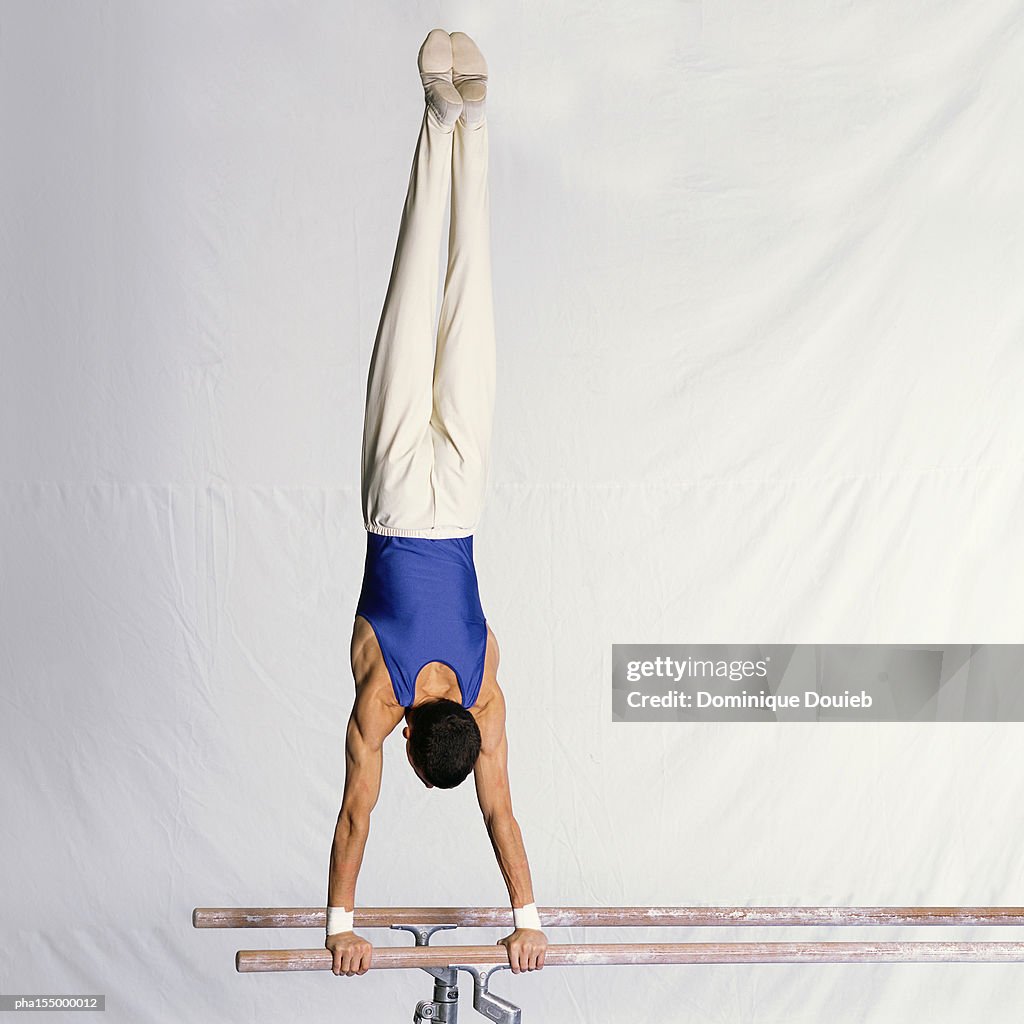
(339, 920)
(526, 917)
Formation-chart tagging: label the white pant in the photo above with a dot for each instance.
(427, 427)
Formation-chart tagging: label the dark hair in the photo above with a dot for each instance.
(444, 741)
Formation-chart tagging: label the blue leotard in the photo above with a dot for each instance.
(422, 599)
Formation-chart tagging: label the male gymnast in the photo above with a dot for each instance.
(421, 649)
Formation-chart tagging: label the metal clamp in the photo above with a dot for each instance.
(444, 1006)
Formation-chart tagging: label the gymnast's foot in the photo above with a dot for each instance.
(470, 79)
(435, 64)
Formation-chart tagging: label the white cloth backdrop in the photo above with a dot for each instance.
(761, 342)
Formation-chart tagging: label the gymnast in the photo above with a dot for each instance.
(422, 649)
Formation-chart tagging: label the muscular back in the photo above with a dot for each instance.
(378, 710)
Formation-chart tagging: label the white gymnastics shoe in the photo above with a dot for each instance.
(470, 79)
(435, 64)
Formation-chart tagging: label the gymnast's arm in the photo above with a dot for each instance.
(368, 725)
(525, 945)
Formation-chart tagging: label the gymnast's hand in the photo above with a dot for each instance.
(351, 952)
(525, 949)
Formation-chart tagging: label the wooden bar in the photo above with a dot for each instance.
(400, 957)
(601, 917)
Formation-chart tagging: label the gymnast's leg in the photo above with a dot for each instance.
(464, 365)
(397, 447)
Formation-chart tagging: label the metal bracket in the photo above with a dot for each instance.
(443, 1008)
(421, 932)
(486, 1002)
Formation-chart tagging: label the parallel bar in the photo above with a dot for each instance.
(398, 957)
(597, 917)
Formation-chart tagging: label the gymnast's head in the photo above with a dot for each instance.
(442, 742)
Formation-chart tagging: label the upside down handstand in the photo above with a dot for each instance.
(421, 647)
